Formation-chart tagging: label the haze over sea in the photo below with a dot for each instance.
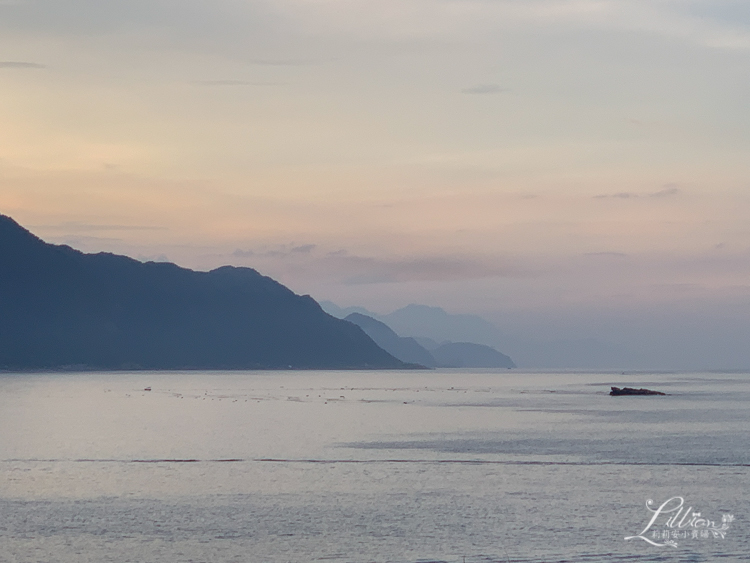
(366, 466)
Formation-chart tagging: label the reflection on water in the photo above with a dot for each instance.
(365, 466)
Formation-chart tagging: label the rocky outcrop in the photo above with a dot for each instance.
(617, 392)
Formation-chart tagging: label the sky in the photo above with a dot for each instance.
(568, 169)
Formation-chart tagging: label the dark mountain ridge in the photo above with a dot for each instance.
(62, 308)
(404, 348)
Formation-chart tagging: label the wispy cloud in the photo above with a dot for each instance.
(303, 249)
(86, 243)
(372, 270)
(235, 83)
(354, 269)
(606, 255)
(617, 195)
(279, 251)
(20, 64)
(666, 192)
(79, 227)
(484, 89)
(152, 258)
(282, 62)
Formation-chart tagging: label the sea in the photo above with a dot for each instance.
(457, 466)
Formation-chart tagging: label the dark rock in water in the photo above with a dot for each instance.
(63, 309)
(616, 391)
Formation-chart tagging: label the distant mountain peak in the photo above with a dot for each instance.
(405, 349)
(11, 231)
(447, 354)
(363, 321)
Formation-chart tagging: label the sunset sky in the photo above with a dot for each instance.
(565, 168)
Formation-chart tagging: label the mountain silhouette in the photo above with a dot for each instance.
(404, 348)
(61, 308)
(470, 355)
(445, 355)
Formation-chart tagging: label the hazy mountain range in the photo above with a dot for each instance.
(62, 308)
(432, 326)
(429, 353)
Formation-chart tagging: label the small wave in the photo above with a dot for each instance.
(389, 461)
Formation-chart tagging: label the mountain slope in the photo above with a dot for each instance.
(61, 308)
(435, 323)
(445, 355)
(470, 355)
(405, 349)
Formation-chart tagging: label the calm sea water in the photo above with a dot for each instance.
(450, 466)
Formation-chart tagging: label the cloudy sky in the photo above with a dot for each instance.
(566, 168)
